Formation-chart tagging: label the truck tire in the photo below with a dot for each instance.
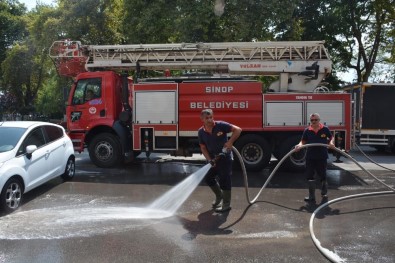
(105, 150)
(255, 151)
(297, 160)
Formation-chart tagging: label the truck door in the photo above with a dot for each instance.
(86, 108)
(87, 104)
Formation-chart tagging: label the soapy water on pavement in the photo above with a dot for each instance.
(87, 220)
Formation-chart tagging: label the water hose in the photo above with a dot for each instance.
(327, 253)
(370, 159)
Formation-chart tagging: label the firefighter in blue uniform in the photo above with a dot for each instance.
(217, 150)
(316, 157)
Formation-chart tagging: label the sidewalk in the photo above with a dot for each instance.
(384, 159)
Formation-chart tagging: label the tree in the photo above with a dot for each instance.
(7, 103)
(27, 65)
(18, 69)
(369, 21)
(357, 32)
(12, 27)
(202, 20)
(145, 21)
(45, 26)
(258, 20)
(90, 21)
(51, 98)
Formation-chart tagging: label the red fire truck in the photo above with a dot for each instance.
(125, 117)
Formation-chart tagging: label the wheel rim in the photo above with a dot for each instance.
(252, 153)
(13, 195)
(70, 168)
(104, 151)
(298, 158)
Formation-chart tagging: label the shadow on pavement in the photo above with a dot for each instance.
(208, 223)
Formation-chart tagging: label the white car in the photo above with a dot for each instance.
(31, 153)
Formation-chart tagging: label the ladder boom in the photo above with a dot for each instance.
(202, 55)
(187, 55)
(303, 61)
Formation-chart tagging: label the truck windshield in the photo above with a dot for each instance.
(86, 90)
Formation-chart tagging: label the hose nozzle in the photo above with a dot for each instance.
(213, 162)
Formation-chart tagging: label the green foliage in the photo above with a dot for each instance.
(194, 21)
(12, 27)
(145, 21)
(50, 98)
(16, 69)
(358, 33)
(90, 21)
(7, 103)
(45, 26)
(266, 82)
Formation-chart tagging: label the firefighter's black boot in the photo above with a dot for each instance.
(311, 197)
(218, 195)
(226, 195)
(324, 189)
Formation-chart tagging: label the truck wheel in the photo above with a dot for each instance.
(255, 151)
(11, 195)
(105, 150)
(297, 160)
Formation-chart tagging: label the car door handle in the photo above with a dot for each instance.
(47, 154)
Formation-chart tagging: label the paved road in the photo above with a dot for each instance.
(103, 216)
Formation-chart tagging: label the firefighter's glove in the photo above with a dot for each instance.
(213, 162)
(297, 147)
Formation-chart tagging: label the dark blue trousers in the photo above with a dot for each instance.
(223, 172)
(317, 166)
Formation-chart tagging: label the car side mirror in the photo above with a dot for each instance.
(29, 150)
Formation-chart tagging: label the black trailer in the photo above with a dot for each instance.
(374, 114)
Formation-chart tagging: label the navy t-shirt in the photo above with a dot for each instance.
(215, 140)
(323, 136)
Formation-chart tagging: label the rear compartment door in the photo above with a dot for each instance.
(155, 116)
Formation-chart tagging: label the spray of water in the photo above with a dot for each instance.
(176, 196)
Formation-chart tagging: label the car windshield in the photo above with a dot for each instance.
(9, 137)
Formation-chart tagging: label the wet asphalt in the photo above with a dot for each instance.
(93, 218)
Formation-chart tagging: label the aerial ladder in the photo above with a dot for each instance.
(300, 65)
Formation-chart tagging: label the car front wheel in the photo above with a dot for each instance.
(11, 195)
(69, 170)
